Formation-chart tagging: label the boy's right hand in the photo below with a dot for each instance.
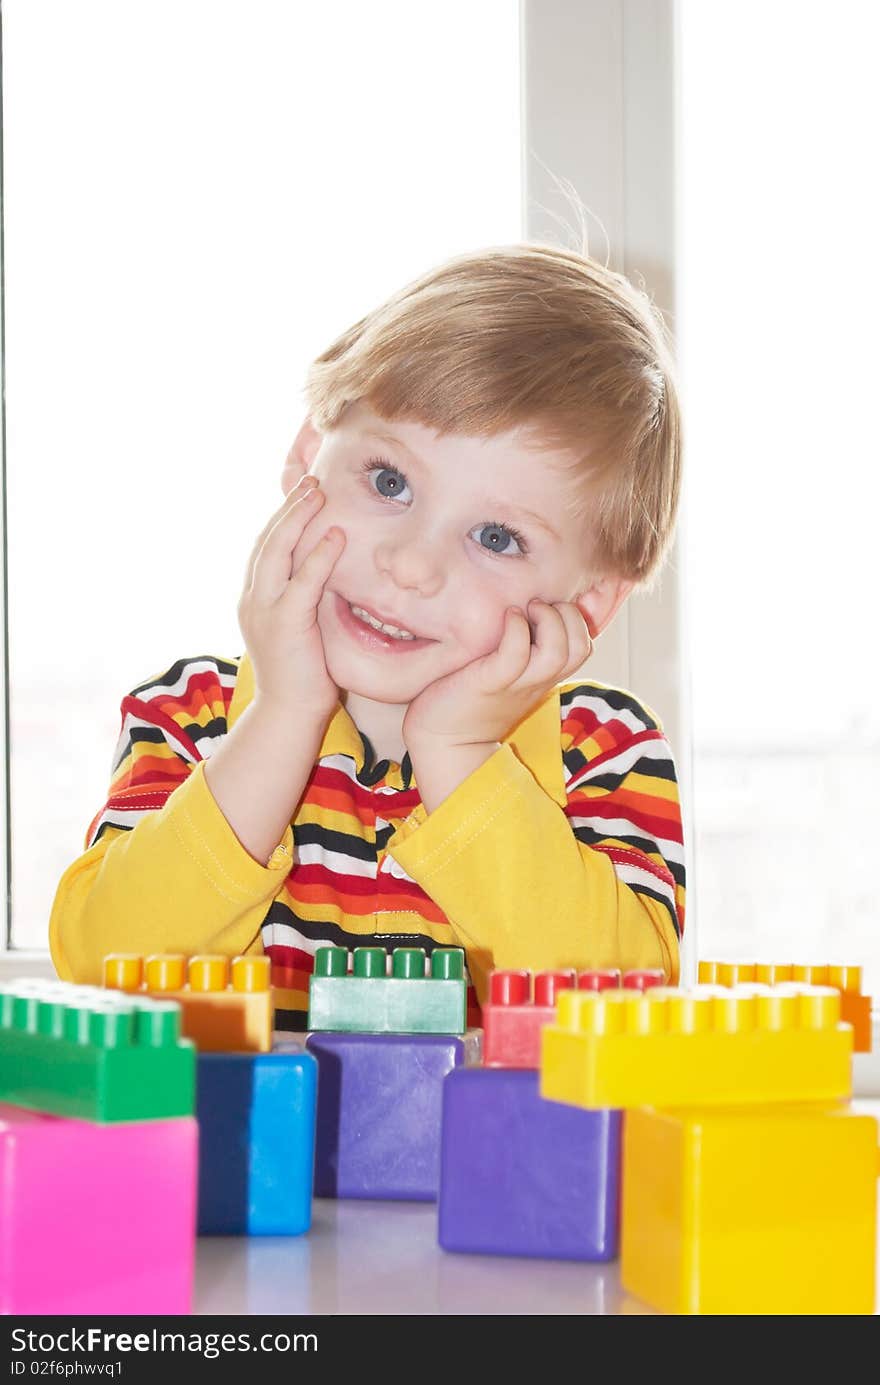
(277, 611)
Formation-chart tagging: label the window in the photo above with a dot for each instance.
(195, 205)
(779, 303)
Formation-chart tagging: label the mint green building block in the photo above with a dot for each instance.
(412, 1000)
(93, 1054)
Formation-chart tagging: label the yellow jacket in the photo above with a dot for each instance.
(564, 849)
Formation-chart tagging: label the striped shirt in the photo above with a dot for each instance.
(563, 849)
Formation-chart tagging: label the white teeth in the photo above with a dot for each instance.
(377, 625)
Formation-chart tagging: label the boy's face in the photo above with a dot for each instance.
(443, 534)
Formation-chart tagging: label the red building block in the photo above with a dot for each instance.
(643, 980)
(607, 979)
(514, 1015)
(512, 1020)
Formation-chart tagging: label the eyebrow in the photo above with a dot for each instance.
(518, 510)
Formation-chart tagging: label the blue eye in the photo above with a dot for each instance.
(391, 481)
(496, 545)
(388, 477)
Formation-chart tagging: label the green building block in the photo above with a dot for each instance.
(412, 1000)
(93, 1054)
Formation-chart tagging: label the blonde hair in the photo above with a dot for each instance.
(540, 339)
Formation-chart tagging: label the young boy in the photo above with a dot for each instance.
(489, 466)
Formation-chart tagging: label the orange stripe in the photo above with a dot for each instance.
(649, 805)
(596, 743)
(158, 764)
(334, 895)
(285, 999)
(604, 734)
(330, 800)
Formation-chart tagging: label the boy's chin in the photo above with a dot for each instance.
(379, 685)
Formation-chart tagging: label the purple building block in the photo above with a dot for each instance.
(522, 1175)
(379, 1107)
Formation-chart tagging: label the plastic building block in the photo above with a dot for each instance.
(643, 980)
(605, 979)
(84, 1052)
(369, 1001)
(513, 1017)
(96, 1219)
(855, 1008)
(225, 1008)
(517, 1011)
(523, 1176)
(698, 1046)
(759, 1211)
(256, 1117)
(379, 1111)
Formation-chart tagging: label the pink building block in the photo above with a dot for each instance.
(96, 1218)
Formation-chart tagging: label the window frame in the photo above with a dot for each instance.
(600, 113)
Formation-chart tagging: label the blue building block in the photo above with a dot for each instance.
(379, 1106)
(521, 1175)
(256, 1115)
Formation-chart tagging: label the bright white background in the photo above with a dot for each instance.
(778, 335)
(199, 198)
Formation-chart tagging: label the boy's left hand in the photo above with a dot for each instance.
(480, 703)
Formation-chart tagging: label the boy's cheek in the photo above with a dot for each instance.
(482, 632)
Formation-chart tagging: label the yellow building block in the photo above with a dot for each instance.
(225, 1008)
(697, 1046)
(855, 1008)
(750, 1211)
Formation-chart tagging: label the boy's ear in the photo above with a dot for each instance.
(600, 602)
(301, 455)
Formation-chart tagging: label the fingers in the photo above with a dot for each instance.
(269, 564)
(294, 468)
(510, 660)
(561, 642)
(290, 499)
(306, 590)
(580, 642)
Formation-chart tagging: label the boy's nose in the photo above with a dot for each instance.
(412, 565)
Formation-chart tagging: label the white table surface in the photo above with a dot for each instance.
(382, 1258)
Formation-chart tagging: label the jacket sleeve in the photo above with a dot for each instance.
(162, 870)
(527, 883)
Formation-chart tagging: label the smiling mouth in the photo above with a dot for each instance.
(374, 635)
(394, 631)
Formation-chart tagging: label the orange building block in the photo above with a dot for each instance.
(855, 1008)
(225, 1008)
(761, 1210)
